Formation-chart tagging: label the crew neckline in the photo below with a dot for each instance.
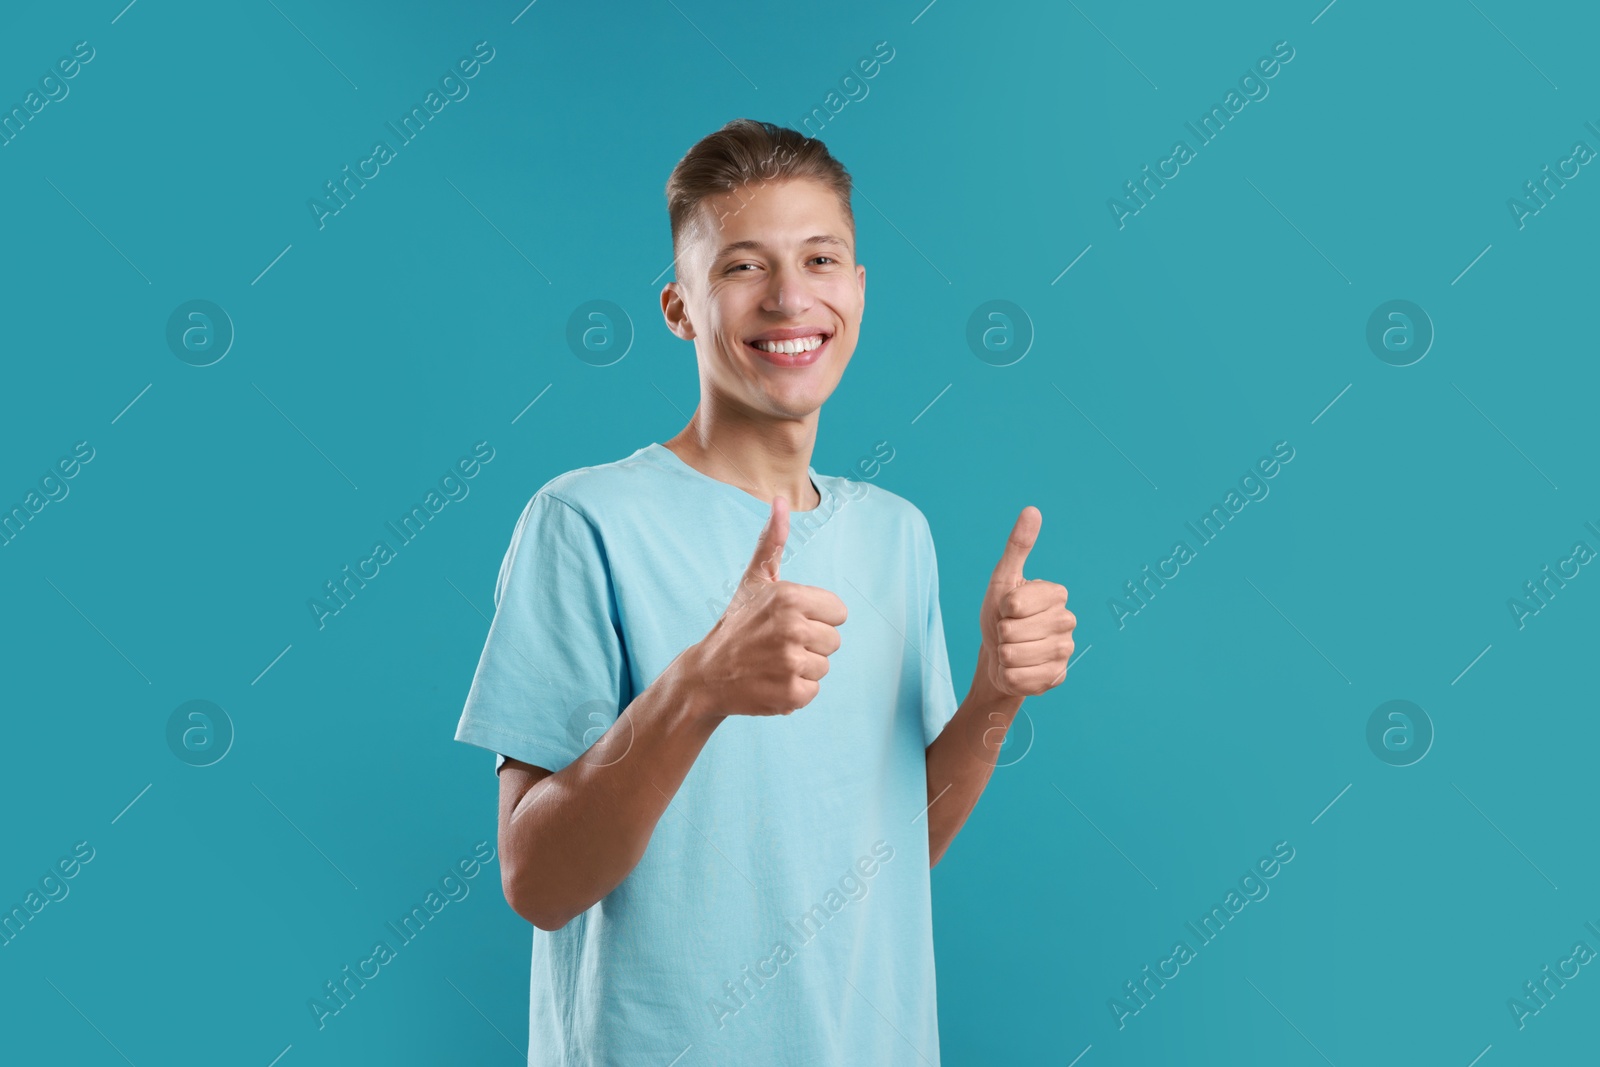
(670, 459)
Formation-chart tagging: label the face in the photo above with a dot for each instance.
(771, 265)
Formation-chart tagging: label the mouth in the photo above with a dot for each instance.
(799, 351)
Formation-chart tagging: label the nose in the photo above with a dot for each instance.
(787, 291)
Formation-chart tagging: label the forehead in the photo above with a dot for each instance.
(768, 216)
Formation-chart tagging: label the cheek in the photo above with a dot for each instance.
(737, 361)
(847, 306)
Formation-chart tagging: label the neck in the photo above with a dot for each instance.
(765, 457)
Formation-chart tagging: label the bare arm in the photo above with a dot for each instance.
(1027, 643)
(568, 838)
(963, 756)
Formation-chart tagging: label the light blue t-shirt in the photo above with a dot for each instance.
(781, 913)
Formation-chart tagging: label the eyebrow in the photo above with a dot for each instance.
(751, 245)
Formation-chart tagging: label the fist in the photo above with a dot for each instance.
(1027, 629)
(768, 652)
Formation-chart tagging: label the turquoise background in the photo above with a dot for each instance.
(1226, 316)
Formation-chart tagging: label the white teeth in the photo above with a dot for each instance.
(798, 345)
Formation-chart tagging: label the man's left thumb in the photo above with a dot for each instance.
(1023, 535)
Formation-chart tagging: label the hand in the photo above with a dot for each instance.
(768, 652)
(1027, 629)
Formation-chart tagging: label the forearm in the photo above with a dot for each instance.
(963, 756)
(577, 834)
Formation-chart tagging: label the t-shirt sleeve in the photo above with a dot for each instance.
(938, 689)
(551, 676)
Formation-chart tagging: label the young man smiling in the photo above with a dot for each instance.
(788, 742)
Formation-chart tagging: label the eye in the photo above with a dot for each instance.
(828, 258)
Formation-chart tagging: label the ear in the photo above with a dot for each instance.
(676, 311)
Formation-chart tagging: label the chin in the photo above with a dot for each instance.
(795, 406)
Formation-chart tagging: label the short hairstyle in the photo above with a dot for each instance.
(742, 152)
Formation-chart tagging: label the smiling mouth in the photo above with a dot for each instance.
(792, 346)
(794, 352)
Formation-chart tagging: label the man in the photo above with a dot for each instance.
(807, 740)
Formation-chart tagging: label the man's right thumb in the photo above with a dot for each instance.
(769, 546)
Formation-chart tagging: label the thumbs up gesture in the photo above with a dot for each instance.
(768, 652)
(1027, 629)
